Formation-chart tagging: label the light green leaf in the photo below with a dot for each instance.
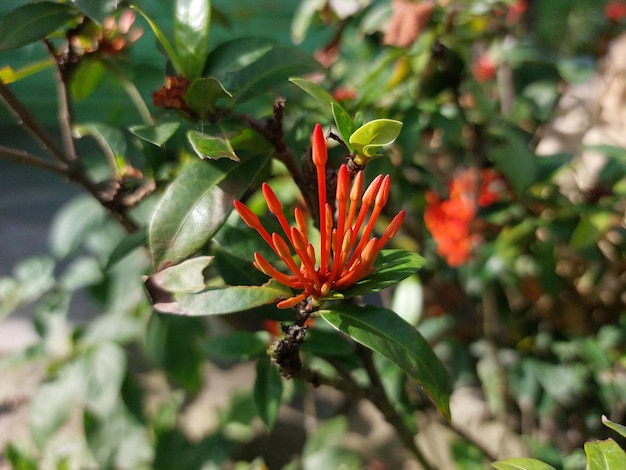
(10, 75)
(383, 331)
(32, 22)
(368, 139)
(209, 147)
(218, 300)
(191, 35)
(202, 95)
(345, 124)
(104, 367)
(157, 134)
(268, 391)
(196, 204)
(605, 455)
(391, 267)
(314, 90)
(521, 464)
(86, 77)
(619, 428)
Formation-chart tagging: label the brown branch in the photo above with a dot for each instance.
(22, 156)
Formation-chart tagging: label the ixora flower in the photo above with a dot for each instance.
(346, 253)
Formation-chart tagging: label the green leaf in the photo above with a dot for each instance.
(619, 428)
(383, 331)
(209, 147)
(10, 75)
(97, 10)
(269, 71)
(314, 90)
(165, 43)
(33, 22)
(234, 55)
(191, 35)
(196, 204)
(516, 161)
(368, 139)
(110, 139)
(238, 345)
(126, 246)
(19, 458)
(157, 134)
(390, 268)
(605, 455)
(183, 277)
(521, 464)
(104, 367)
(202, 95)
(217, 300)
(86, 77)
(71, 226)
(268, 391)
(345, 124)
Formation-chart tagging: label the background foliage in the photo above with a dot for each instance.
(519, 295)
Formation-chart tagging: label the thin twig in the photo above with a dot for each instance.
(26, 120)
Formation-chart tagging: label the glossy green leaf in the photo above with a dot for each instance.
(521, 464)
(391, 267)
(383, 331)
(368, 139)
(210, 147)
(162, 38)
(605, 455)
(236, 54)
(619, 428)
(345, 124)
(202, 95)
(314, 90)
(192, 19)
(238, 345)
(32, 22)
(186, 276)
(268, 391)
(157, 134)
(218, 300)
(271, 70)
(195, 206)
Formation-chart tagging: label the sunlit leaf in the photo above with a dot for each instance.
(391, 267)
(32, 22)
(191, 35)
(605, 455)
(268, 390)
(218, 300)
(521, 464)
(157, 134)
(162, 38)
(210, 147)
(196, 204)
(383, 331)
(314, 90)
(368, 139)
(104, 367)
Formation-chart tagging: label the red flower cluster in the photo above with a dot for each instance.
(172, 94)
(483, 68)
(347, 253)
(449, 220)
(615, 11)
